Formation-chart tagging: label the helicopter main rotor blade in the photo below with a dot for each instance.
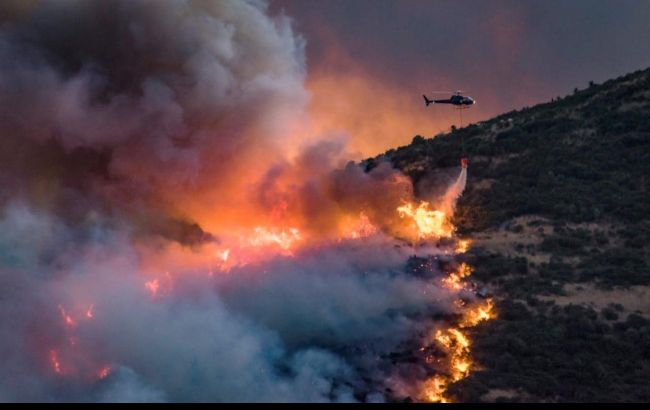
(449, 92)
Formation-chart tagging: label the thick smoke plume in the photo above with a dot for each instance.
(170, 231)
(173, 99)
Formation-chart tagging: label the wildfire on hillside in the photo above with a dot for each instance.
(174, 226)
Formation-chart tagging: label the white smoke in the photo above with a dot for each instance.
(450, 198)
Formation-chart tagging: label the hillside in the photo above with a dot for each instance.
(558, 205)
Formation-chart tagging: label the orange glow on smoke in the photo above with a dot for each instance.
(159, 285)
(360, 228)
(263, 242)
(255, 245)
(254, 233)
(223, 255)
(376, 114)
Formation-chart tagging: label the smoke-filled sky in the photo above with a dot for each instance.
(506, 54)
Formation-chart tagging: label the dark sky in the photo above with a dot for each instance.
(506, 54)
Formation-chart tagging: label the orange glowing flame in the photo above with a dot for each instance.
(455, 341)
(361, 228)
(457, 346)
(434, 390)
(104, 372)
(76, 358)
(152, 286)
(160, 285)
(90, 312)
(224, 261)
(455, 279)
(463, 245)
(429, 222)
(478, 314)
(223, 255)
(284, 239)
(54, 360)
(67, 319)
(245, 247)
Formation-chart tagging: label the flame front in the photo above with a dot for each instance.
(455, 279)
(478, 314)
(70, 358)
(54, 360)
(454, 340)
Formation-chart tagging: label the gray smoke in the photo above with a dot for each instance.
(167, 98)
(313, 327)
(124, 121)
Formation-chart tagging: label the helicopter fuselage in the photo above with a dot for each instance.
(457, 100)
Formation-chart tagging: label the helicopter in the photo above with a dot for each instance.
(457, 99)
(460, 101)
